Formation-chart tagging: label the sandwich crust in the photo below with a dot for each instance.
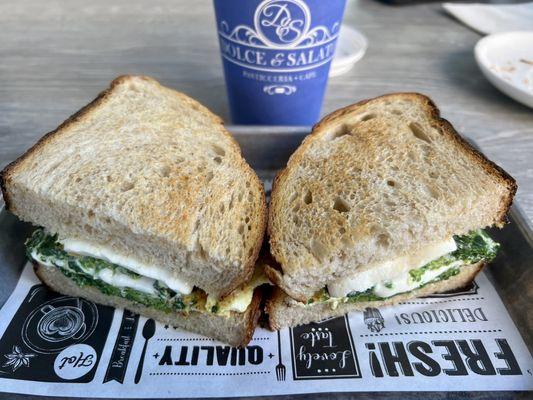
(284, 311)
(151, 173)
(376, 180)
(236, 329)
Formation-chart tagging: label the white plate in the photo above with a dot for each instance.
(351, 47)
(506, 60)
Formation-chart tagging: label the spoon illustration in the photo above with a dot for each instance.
(148, 332)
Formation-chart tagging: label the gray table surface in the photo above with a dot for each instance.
(56, 55)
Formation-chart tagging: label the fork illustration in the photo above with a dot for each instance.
(280, 368)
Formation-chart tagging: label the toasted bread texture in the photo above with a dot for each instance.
(376, 180)
(284, 311)
(236, 329)
(151, 173)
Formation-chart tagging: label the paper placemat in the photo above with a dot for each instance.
(62, 346)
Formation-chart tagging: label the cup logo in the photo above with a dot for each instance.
(280, 40)
(282, 23)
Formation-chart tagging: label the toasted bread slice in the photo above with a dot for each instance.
(376, 180)
(235, 329)
(284, 311)
(154, 175)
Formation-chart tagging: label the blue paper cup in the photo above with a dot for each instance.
(276, 56)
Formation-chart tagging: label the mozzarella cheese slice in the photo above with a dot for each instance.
(82, 247)
(391, 277)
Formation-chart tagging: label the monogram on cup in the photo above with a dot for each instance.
(282, 22)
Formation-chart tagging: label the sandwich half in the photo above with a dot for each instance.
(143, 201)
(382, 202)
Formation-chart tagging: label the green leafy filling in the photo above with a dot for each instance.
(475, 246)
(367, 295)
(83, 270)
(471, 248)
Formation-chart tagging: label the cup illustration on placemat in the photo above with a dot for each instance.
(53, 338)
(60, 324)
(324, 350)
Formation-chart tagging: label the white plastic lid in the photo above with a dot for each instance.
(351, 47)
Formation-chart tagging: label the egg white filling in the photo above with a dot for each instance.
(150, 272)
(392, 277)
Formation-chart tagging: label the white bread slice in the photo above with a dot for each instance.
(236, 329)
(151, 173)
(376, 180)
(284, 311)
